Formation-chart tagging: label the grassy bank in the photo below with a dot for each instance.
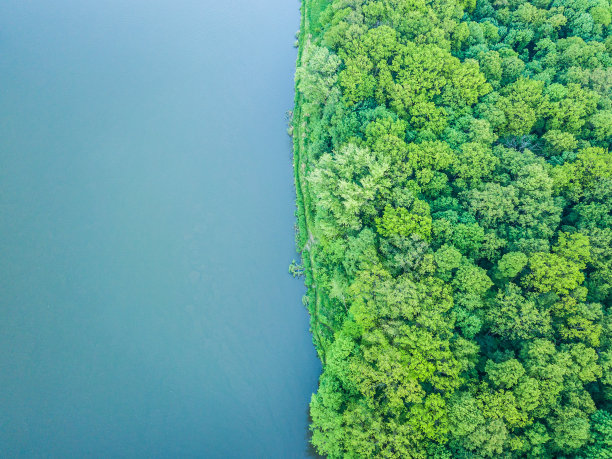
(306, 239)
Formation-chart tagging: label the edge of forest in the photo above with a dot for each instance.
(305, 239)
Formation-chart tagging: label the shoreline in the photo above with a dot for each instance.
(305, 239)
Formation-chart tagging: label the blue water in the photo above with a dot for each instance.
(146, 226)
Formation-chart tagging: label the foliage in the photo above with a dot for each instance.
(455, 210)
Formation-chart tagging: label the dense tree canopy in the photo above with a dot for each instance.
(454, 181)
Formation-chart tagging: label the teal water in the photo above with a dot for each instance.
(146, 227)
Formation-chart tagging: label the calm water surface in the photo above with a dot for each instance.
(146, 226)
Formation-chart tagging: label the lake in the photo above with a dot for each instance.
(147, 224)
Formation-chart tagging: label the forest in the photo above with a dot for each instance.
(454, 190)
